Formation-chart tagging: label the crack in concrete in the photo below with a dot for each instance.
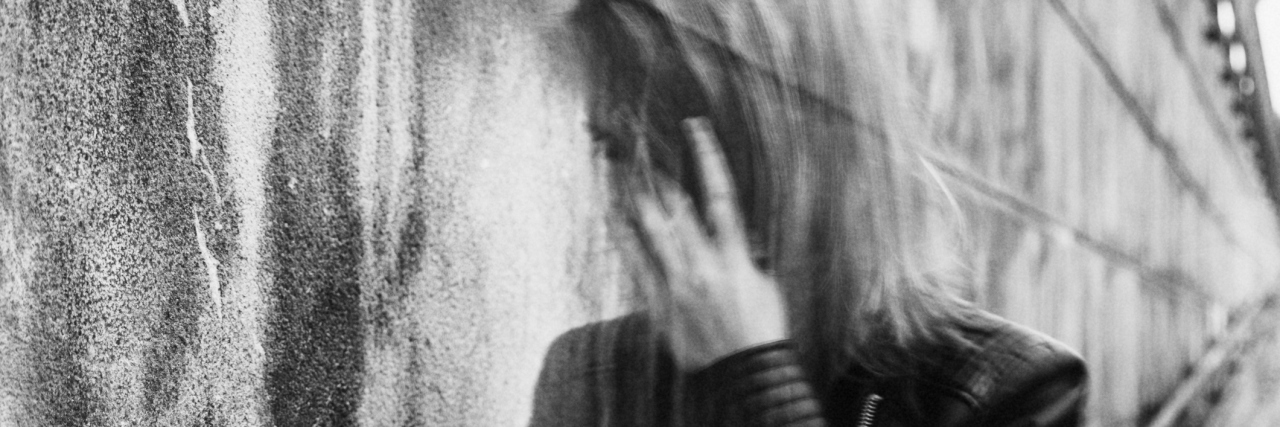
(181, 5)
(210, 262)
(202, 162)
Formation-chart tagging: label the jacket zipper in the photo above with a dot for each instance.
(869, 407)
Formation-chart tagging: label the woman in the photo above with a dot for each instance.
(790, 273)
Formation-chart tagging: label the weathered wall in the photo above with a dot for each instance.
(323, 212)
(1145, 221)
(289, 213)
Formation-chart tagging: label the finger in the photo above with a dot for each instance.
(685, 254)
(696, 251)
(690, 234)
(658, 235)
(656, 238)
(722, 206)
(701, 262)
(677, 203)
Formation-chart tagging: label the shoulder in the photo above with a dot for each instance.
(1013, 371)
(596, 347)
(585, 370)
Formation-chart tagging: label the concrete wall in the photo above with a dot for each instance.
(335, 212)
(289, 213)
(1146, 223)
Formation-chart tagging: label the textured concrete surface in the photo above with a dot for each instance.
(288, 213)
(338, 212)
(1110, 118)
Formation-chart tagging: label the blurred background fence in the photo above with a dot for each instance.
(335, 212)
(1114, 201)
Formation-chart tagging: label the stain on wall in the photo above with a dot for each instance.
(316, 213)
(337, 212)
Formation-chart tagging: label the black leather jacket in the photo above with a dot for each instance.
(612, 374)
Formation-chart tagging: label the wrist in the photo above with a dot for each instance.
(765, 384)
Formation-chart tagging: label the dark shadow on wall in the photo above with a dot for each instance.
(159, 173)
(62, 393)
(314, 333)
(109, 199)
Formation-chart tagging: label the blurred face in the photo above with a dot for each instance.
(641, 87)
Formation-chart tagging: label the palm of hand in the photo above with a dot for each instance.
(714, 301)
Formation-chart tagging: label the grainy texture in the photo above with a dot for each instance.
(338, 212)
(1088, 110)
(282, 213)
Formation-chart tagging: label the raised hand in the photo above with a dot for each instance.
(714, 300)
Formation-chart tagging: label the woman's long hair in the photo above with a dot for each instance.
(822, 148)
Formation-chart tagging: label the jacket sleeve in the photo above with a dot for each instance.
(764, 386)
(1051, 393)
(1056, 401)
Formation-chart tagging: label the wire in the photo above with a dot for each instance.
(1203, 98)
(1015, 205)
(1050, 224)
(1172, 158)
